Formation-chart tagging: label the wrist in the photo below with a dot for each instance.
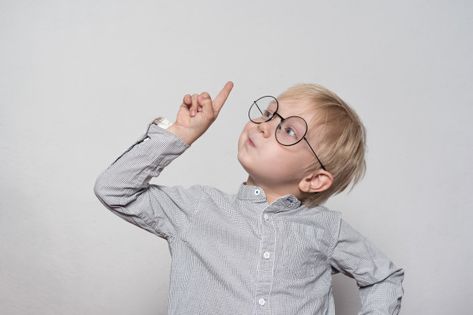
(181, 133)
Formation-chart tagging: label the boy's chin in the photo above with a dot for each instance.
(246, 166)
(257, 174)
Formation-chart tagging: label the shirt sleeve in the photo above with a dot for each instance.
(378, 279)
(124, 187)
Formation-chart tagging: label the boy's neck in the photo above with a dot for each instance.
(271, 193)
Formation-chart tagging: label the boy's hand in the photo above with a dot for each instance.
(197, 113)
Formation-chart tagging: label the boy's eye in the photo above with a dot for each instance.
(267, 113)
(290, 132)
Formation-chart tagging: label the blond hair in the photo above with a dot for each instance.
(337, 135)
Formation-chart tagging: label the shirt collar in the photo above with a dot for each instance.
(256, 193)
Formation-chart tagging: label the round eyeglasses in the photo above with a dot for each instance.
(290, 131)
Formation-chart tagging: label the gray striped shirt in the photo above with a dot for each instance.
(237, 254)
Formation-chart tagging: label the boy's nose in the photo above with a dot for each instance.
(265, 128)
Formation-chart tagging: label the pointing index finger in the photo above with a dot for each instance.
(222, 96)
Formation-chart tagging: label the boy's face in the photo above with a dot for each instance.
(269, 163)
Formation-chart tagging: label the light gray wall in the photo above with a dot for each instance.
(80, 81)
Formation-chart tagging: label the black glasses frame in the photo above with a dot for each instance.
(279, 125)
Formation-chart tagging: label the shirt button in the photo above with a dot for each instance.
(266, 255)
(289, 202)
(261, 301)
(257, 192)
(266, 217)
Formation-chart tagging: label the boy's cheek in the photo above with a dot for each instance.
(247, 127)
(240, 141)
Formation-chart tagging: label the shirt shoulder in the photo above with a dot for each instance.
(216, 196)
(328, 221)
(325, 216)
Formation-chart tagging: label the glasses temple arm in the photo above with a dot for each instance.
(321, 165)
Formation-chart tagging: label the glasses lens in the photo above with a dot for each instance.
(263, 109)
(291, 130)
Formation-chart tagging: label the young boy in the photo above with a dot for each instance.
(271, 248)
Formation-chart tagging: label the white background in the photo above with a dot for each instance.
(80, 81)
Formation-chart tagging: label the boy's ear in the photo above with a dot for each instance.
(317, 181)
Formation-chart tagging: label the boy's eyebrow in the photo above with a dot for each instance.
(285, 114)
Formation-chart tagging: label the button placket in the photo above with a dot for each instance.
(265, 279)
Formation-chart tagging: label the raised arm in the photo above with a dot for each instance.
(124, 186)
